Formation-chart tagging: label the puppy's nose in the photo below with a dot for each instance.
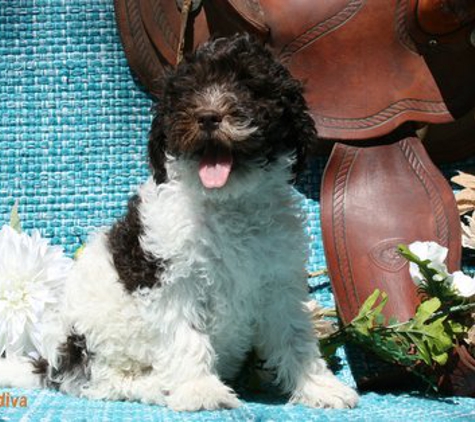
(209, 120)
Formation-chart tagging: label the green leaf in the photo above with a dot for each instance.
(406, 253)
(378, 309)
(434, 335)
(439, 337)
(422, 348)
(379, 319)
(368, 303)
(426, 309)
(457, 327)
(15, 222)
(441, 359)
(369, 311)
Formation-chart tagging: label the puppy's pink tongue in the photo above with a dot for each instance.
(215, 167)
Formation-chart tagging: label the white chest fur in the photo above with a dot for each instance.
(225, 251)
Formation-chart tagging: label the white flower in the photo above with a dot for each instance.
(32, 274)
(468, 233)
(433, 252)
(463, 284)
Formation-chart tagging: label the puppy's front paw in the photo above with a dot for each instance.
(207, 393)
(325, 391)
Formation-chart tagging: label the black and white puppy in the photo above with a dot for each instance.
(209, 262)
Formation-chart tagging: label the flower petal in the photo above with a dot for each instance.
(429, 250)
(32, 276)
(463, 284)
(415, 273)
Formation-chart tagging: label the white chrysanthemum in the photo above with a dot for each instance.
(32, 275)
(433, 252)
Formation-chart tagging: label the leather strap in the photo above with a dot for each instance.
(185, 12)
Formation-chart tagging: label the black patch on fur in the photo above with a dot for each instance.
(40, 367)
(136, 268)
(73, 359)
(156, 152)
(73, 352)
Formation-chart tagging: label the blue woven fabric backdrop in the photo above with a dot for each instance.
(73, 127)
(73, 123)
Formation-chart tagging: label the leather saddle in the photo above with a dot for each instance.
(368, 65)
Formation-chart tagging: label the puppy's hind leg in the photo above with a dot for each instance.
(287, 344)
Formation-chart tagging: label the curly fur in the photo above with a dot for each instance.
(259, 87)
(165, 307)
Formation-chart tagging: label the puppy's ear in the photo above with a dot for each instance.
(299, 130)
(156, 147)
(302, 133)
(293, 127)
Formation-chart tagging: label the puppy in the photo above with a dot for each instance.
(209, 262)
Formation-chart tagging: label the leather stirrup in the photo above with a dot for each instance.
(372, 200)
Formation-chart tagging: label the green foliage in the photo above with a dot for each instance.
(418, 344)
(422, 343)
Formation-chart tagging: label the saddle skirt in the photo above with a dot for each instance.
(368, 65)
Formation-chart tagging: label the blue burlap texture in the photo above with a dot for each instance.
(73, 128)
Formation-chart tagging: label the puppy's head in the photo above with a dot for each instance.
(229, 107)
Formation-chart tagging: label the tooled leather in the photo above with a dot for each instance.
(359, 85)
(402, 12)
(339, 230)
(136, 45)
(362, 224)
(320, 29)
(160, 22)
(396, 109)
(250, 10)
(384, 254)
(379, 100)
(438, 206)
